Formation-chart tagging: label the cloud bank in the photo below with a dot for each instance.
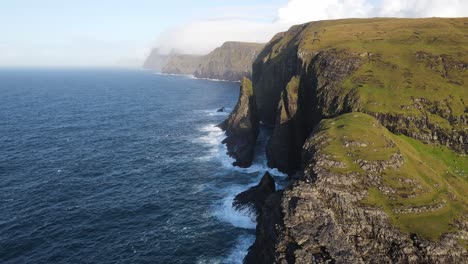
(200, 37)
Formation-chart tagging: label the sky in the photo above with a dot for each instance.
(123, 32)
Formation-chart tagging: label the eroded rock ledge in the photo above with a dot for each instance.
(327, 215)
(256, 196)
(242, 127)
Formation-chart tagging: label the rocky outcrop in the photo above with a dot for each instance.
(308, 98)
(325, 215)
(340, 94)
(232, 61)
(242, 127)
(155, 61)
(182, 64)
(307, 74)
(256, 196)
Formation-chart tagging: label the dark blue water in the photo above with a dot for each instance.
(118, 166)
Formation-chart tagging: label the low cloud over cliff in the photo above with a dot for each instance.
(259, 25)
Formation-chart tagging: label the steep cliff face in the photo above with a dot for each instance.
(155, 61)
(364, 197)
(182, 64)
(242, 127)
(232, 61)
(370, 122)
(314, 94)
(409, 73)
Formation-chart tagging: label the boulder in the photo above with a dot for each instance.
(256, 196)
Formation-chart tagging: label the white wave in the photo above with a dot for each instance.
(213, 80)
(175, 74)
(214, 112)
(213, 138)
(242, 218)
(237, 254)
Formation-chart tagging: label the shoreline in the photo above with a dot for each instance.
(191, 76)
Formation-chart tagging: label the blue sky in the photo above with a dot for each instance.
(121, 32)
(97, 32)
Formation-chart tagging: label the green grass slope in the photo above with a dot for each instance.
(422, 188)
(412, 72)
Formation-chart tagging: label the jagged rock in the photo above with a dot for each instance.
(242, 127)
(321, 217)
(222, 109)
(255, 197)
(269, 226)
(306, 99)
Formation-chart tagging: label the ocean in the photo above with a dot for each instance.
(119, 166)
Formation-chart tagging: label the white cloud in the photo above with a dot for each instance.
(202, 36)
(300, 11)
(423, 8)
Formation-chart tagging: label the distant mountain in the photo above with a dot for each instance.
(182, 64)
(231, 61)
(155, 61)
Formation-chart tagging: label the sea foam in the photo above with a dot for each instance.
(213, 137)
(242, 218)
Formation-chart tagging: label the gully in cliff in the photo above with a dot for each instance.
(242, 127)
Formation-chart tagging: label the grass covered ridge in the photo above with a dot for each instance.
(416, 68)
(422, 188)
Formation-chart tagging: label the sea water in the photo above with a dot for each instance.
(119, 166)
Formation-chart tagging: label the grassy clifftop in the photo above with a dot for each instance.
(410, 74)
(371, 122)
(403, 61)
(422, 188)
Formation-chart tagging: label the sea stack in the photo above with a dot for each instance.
(256, 196)
(242, 127)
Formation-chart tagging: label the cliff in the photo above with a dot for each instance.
(155, 61)
(232, 61)
(182, 64)
(242, 127)
(366, 195)
(411, 74)
(370, 122)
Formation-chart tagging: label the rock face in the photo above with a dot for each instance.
(329, 214)
(370, 117)
(155, 61)
(182, 64)
(322, 69)
(314, 94)
(256, 196)
(242, 127)
(232, 61)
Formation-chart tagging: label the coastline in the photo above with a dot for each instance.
(191, 76)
